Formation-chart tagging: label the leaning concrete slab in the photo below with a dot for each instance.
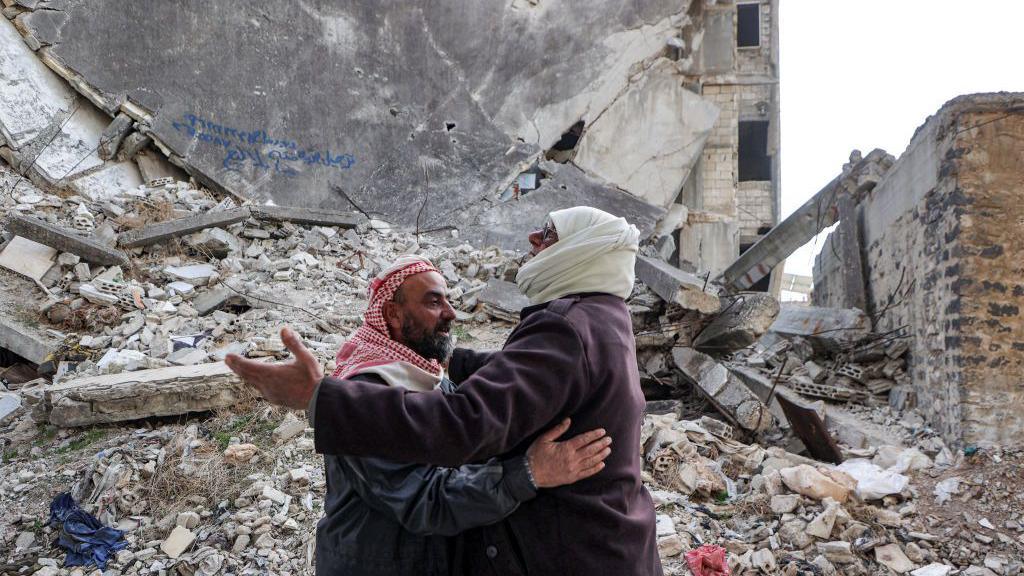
(726, 392)
(144, 393)
(506, 224)
(648, 140)
(25, 342)
(28, 258)
(677, 287)
(163, 231)
(33, 100)
(405, 116)
(65, 240)
(818, 213)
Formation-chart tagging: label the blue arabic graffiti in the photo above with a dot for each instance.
(258, 149)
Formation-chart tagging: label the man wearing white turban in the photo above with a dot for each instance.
(572, 355)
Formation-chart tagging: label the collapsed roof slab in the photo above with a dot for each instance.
(407, 113)
(506, 224)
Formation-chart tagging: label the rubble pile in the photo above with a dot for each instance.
(135, 297)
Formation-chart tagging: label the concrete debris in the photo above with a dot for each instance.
(727, 392)
(677, 287)
(64, 240)
(307, 216)
(503, 300)
(824, 328)
(817, 484)
(28, 258)
(892, 556)
(163, 231)
(742, 321)
(142, 394)
(818, 213)
(179, 539)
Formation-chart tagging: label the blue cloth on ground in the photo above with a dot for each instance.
(81, 534)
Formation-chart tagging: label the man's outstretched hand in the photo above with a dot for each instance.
(558, 463)
(290, 384)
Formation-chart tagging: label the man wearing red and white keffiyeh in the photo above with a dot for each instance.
(413, 359)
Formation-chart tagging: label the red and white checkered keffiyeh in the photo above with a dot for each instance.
(371, 345)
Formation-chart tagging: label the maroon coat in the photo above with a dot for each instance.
(571, 357)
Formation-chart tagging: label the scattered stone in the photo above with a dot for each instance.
(289, 428)
(240, 453)
(176, 543)
(810, 482)
(893, 557)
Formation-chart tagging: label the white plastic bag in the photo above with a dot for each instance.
(944, 490)
(873, 483)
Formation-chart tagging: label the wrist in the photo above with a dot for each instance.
(529, 472)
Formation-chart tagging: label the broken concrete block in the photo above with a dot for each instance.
(187, 520)
(805, 480)
(821, 526)
(274, 495)
(143, 393)
(65, 241)
(289, 428)
(892, 556)
(308, 216)
(113, 179)
(503, 300)
(827, 329)
(677, 287)
(784, 503)
(724, 390)
(933, 569)
(31, 344)
(154, 167)
(214, 299)
(194, 274)
(240, 453)
(113, 134)
(214, 242)
(28, 258)
(74, 149)
(740, 323)
(177, 542)
(9, 404)
(837, 552)
(163, 231)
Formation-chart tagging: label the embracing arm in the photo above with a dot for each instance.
(540, 375)
(446, 501)
(465, 362)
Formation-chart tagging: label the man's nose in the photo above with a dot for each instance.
(448, 313)
(535, 238)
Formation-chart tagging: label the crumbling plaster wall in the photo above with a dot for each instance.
(940, 239)
(421, 116)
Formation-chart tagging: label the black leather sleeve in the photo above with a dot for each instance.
(442, 501)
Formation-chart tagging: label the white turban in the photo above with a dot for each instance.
(595, 252)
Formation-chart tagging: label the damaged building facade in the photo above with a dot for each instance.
(665, 112)
(933, 253)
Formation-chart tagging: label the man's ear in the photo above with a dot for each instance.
(392, 313)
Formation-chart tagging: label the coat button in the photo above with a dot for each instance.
(492, 552)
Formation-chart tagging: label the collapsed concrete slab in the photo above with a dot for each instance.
(25, 341)
(726, 392)
(506, 224)
(677, 287)
(408, 123)
(142, 394)
(65, 240)
(648, 140)
(307, 216)
(743, 319)
(825, 328)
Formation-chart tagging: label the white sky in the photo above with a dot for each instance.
(865, 74)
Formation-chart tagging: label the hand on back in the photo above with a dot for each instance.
(559, 463)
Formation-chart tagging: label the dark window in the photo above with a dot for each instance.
(755, 163)
(748, 25)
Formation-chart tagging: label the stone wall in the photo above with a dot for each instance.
(941, 237)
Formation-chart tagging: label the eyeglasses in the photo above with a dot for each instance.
(547, 233)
